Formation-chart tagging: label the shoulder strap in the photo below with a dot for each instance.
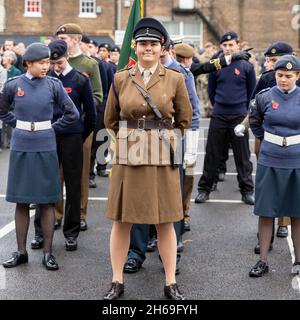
(147, 97)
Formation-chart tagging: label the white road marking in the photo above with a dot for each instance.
(11, 226)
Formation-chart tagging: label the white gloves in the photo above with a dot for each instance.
(239, 130)
(191, 143)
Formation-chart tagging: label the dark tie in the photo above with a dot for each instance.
(34, 78)
(285, 92)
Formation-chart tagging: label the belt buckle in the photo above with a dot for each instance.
(32, 126)
(284, 142)
(141, 124)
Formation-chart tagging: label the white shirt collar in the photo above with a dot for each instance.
(66, 71)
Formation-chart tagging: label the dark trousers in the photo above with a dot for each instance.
(96, 144)
(220, 128)
(69, 150)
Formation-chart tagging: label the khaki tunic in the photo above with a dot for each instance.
(143, 191)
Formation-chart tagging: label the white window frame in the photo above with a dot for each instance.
(32, 14)
(196, 39)
(87, 14)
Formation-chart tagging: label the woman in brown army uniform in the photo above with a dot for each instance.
(145, 189)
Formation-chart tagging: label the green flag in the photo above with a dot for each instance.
(127, 56)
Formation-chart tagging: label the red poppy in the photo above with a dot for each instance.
(275, 104)
(68, 90)
(237, 71)
(20, 92)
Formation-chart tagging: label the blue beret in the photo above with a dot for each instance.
(231, 35)
(279, 48)
(288, 62)
(115, 49)
(36, 51)
(150, 29)
(58, 49)
(85, 39)
(105, 45)
(94, 42)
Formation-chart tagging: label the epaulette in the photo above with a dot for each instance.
(53, 78)
(13, 78)
(124, 69)
(217, 63)
(263, 90)
(175, 70)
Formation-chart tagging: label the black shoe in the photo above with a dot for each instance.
(16, 259)
(115, 292)
(37, 242)
(180, 246)
(296, 268)
(259, 269)
(221, 176)
(282, 232)
(248, 198)
(49, 262)
(92, 184)
(257, 248)
(103, 173)
(214, 187)
(83, 225)
(172, 292)
(187, 226)
(152, 244)
(57, 224)
(202, 197)
(71, 244)
(132, 265)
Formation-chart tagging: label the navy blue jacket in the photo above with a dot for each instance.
(230, 89)
(80, 91)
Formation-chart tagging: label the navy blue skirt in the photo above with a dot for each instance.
(277, 192)
(33, 177)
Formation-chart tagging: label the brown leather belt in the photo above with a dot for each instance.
(143, 124)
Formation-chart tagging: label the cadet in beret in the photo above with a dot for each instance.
(71, 33)
(115, 55)
(144, 197)
(268, 80)
(104, 54)
(275, 120)
(229, 90)
(26, 104)
(70, 141)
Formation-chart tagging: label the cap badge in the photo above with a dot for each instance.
(55, 55)
(273, 50)
(229, 37)
(147, 31)
(289, 66)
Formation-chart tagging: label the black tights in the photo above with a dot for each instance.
(265, 226)
(22, 224)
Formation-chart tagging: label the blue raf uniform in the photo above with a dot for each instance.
(275, 119)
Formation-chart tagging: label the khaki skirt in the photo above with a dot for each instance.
(144, 194)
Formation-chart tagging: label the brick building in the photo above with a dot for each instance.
(259, 22)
